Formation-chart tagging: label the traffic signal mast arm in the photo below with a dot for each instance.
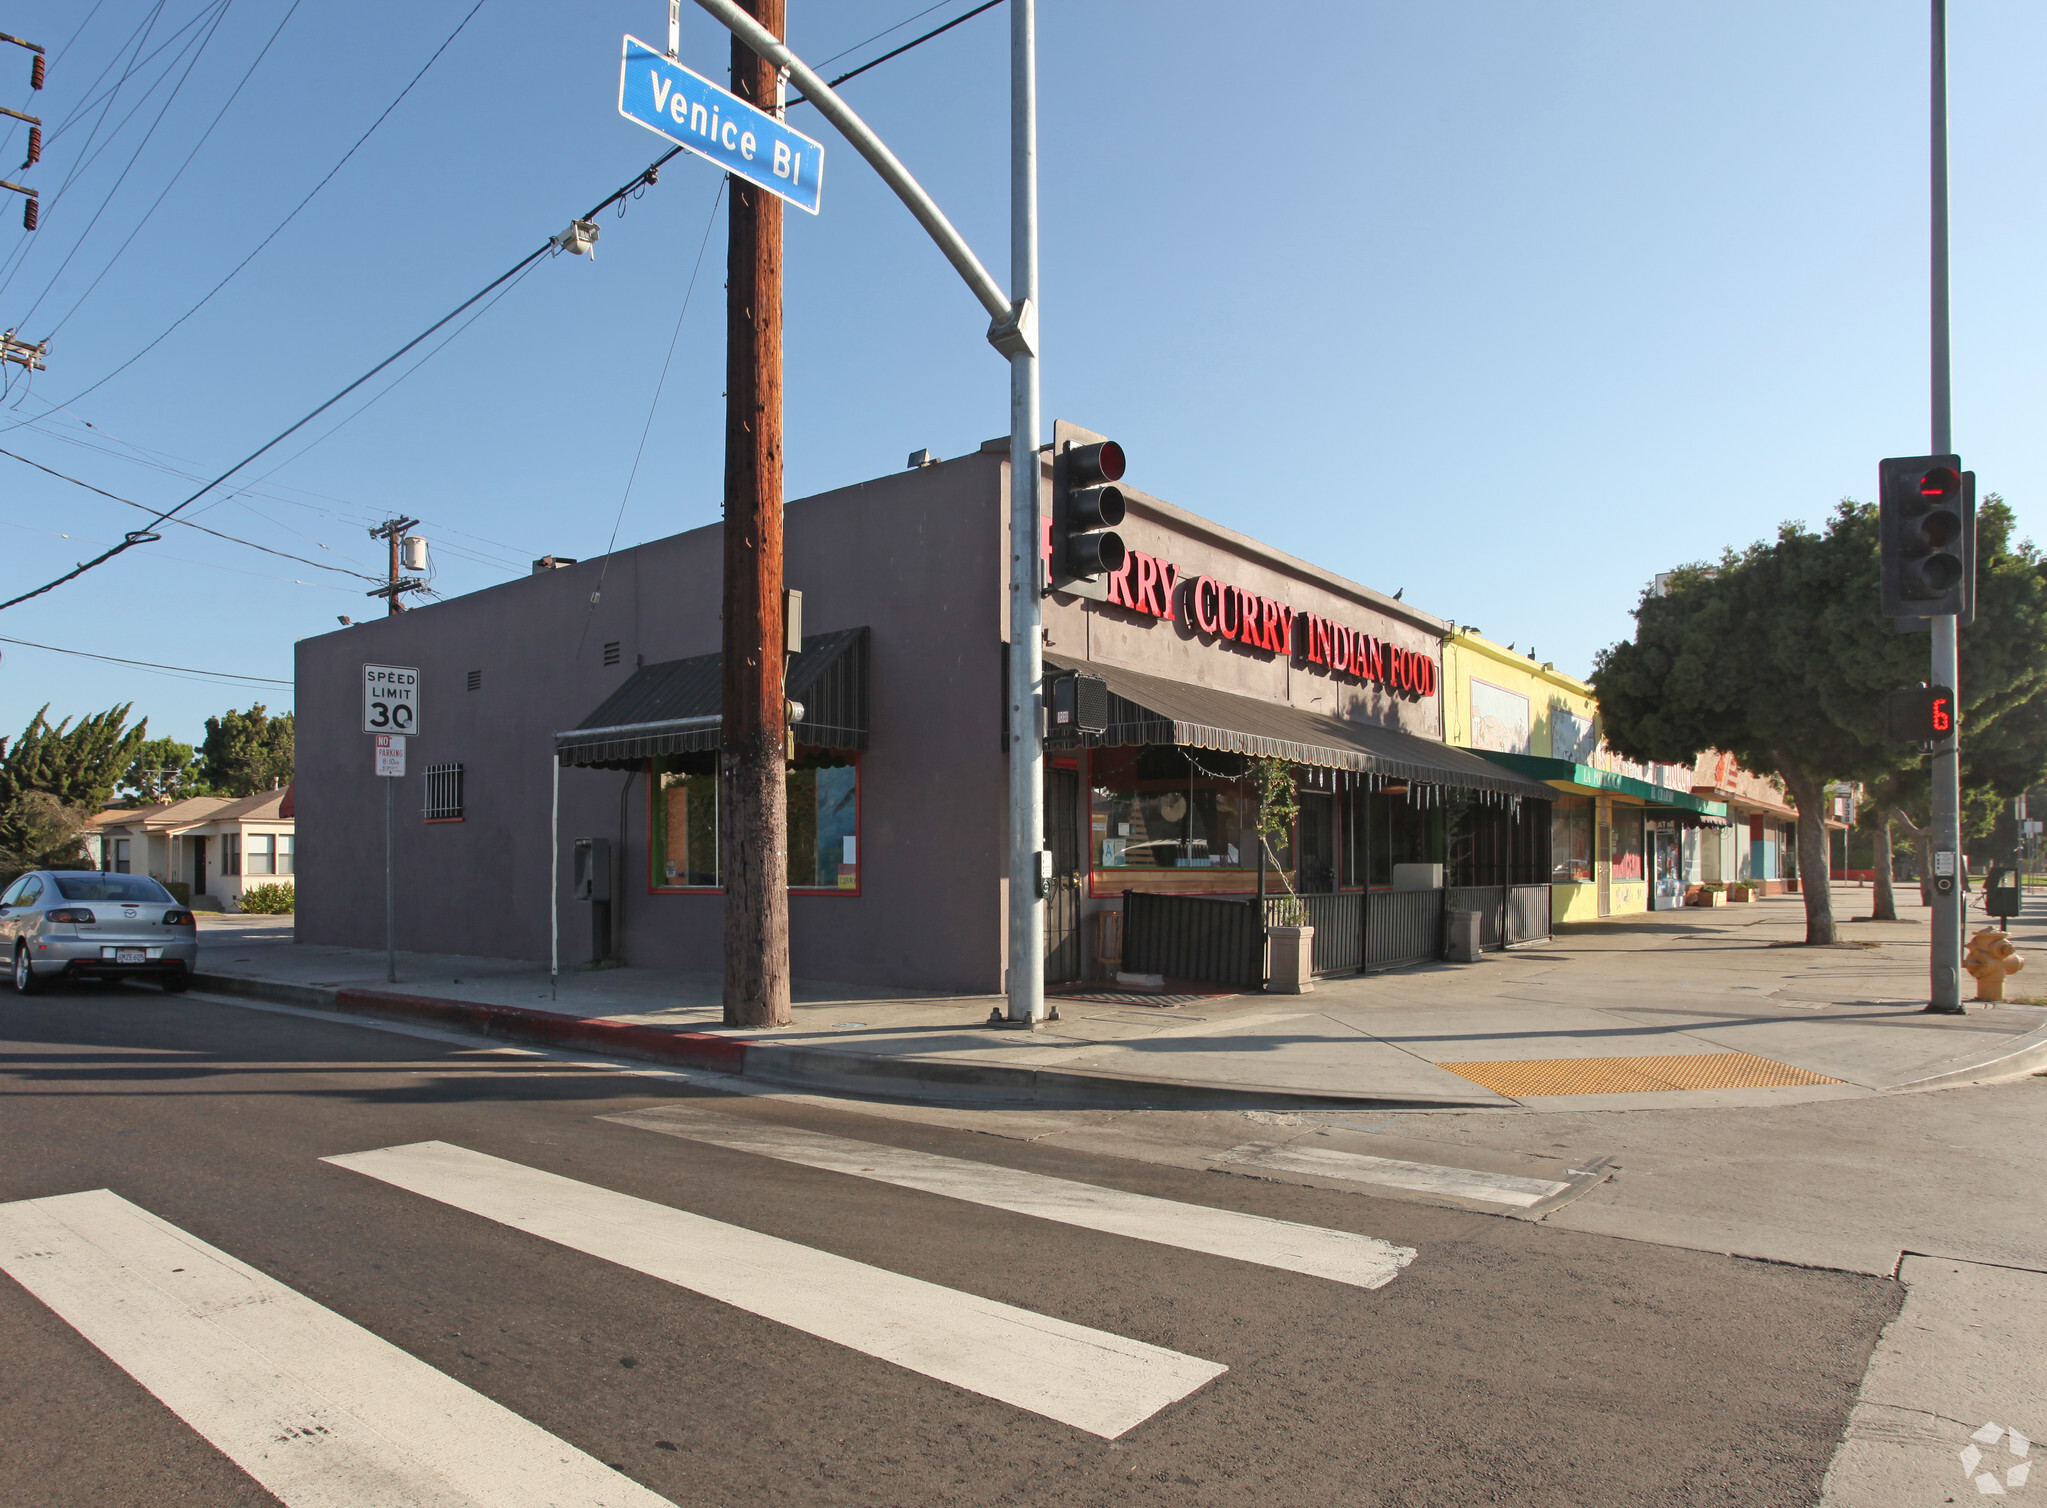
(1010, 324)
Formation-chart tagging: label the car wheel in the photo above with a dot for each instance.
(177, 983)
(25, 981)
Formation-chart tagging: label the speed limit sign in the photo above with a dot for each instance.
(390, 699)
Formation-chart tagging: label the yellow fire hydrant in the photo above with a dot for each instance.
(1990, 958)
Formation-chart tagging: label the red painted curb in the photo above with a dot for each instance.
(662, 1044)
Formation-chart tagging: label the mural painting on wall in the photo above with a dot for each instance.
(1499, 719)
(1571, 737)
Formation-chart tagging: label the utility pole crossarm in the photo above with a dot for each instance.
(893, 173)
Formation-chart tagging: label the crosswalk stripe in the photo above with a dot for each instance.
(317, 1409)
(1102, 1383)
(1342, 1256)
(1421, 1177)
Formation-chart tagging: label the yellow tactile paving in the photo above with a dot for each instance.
(1526, 1078)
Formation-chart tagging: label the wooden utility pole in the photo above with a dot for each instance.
(752, 771)
(397, 583)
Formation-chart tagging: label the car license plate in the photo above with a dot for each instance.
(131, 955)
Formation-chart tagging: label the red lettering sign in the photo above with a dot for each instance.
(1119, 582)
(1147, 584)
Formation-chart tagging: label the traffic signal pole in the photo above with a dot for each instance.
(1012, 330)
(1025, 982)
(1945, 996)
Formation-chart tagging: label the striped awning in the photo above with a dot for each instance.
(1149, 709)
(675, 707)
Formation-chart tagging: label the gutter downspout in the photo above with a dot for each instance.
(554, 929)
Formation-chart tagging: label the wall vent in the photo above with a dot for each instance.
(611, 653)
(476, 680)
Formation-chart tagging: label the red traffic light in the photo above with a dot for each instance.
(1941, 482)
(1099, 462)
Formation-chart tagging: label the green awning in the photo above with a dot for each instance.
(1567, 774)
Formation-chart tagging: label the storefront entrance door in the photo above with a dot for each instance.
(1666, 887)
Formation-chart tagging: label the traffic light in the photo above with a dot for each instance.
(1078, 705)
(1086, 507)
(1926, 533)
(1920, 715)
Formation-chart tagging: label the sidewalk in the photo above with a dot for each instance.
(1694, 1008)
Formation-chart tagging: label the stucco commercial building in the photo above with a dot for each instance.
(1625, 837)
(1214, 649)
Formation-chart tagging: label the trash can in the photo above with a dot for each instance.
(1460, 936)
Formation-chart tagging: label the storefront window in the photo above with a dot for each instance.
(1396, 831)
(1627, 843)
(824, 810)
(1191, 812)
(1571, 841)
(823, 816)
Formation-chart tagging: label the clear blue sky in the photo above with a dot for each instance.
(1508, 305)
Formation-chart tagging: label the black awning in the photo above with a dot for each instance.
(674, 707)
(1149, 709)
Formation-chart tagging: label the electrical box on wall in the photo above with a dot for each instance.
(592, 871)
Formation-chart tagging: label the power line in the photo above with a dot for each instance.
(350, 512)
(281, 224)
(133, 157)
(204, 136)
(914, 42)
(186, 522)
(86, 156)
(710, 224)
(186, 670)
(143, 536)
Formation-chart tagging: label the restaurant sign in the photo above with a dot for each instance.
(1217, 610)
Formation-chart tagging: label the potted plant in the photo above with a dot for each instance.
(1737, 894)
(1290, 941)
(1713, 893)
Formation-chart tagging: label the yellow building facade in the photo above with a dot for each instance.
(1623, 836)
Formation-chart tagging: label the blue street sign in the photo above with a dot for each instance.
(657, 92)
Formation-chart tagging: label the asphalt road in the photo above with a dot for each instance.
(1508, 1362)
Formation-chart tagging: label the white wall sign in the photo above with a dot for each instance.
(390, 753)
(390, 699)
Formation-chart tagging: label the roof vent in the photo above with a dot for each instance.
(922, 458)
(552, 563)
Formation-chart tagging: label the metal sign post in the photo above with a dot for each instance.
(390, 713)
(390, 754)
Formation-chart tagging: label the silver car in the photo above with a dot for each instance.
(85, 924)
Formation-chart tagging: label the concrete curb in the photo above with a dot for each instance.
(2015, 1060)
(817, 1068)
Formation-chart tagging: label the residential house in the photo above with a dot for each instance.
(217, 846)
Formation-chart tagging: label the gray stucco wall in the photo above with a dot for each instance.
(915, 557)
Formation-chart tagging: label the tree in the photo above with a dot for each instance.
(1779, 656)
(247, 752)
(162, 770)
(40, 831)
(79, 766)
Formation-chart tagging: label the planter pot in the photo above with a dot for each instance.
(1737, 894)
(1791, 887)
(1710, 898)
(1460, 936)
(1291, 955)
